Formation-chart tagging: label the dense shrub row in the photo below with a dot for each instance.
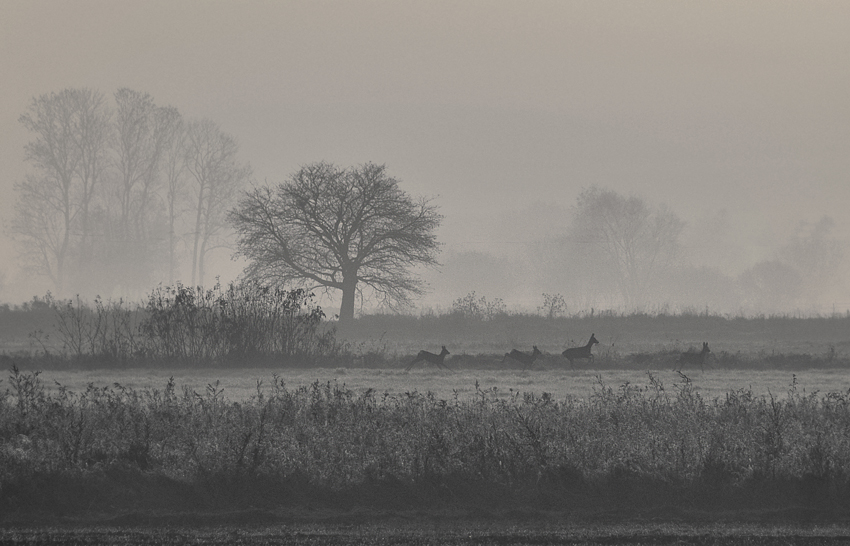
(181, 325)
(247, 324)
(632, 446)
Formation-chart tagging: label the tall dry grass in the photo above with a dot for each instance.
(628, 447)
(247, 324)
(178, 325)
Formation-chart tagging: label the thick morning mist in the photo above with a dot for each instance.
(546, 157)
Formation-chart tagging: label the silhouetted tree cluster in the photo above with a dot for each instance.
(119, 191)
(623, 252)
(617, 251)
(803, 270)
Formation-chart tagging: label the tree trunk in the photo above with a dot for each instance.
(197, 233)
(349, 289)
(201, 255)
(171, 258)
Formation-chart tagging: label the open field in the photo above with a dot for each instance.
(356, 529)
(77, 336)
(620, 450)
(619, 335)
(240, 384)
(631, 448)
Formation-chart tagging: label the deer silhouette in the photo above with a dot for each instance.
(425, 356)
(524, 358)
(576, 353)
(693, 357)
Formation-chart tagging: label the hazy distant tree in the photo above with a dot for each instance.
(626, 238)
(42, 223)
(216, 178)
(94, 132)
(174, 169)
(816, 255)
(143, 131)
(52, 213)
(111, 188)
(338, 229)
(466, 270)
(700, 289)
(770, 286)
(712, 239)
(566, 265)
(135, 208)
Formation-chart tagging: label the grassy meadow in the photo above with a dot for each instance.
(241, 384)
(241, 397)
(734, 340)
(634, 449)
(74, 345)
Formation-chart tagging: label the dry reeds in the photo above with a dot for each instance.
(624, 446)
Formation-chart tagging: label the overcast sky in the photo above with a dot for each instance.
(501, 110)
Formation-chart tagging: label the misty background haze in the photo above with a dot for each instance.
(732, 116)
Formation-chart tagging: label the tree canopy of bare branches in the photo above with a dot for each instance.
(339, 229)
(217, 177)
(53, 212)
(108, 201)
(627, 240)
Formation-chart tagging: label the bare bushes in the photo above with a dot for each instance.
(107, 332)
(628, 447)
(246, 322)
(478, 308)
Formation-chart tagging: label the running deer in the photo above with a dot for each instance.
(576, 353)
(524, 358)
(425, 356)
(693, 357)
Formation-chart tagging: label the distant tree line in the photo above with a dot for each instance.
(125, 193)
(121, 191)
(622, 252)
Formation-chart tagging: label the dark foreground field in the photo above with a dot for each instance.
(443, 529)
(360, 526)
(486, 453)
(631, 464)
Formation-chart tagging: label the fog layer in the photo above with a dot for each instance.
(734, 115)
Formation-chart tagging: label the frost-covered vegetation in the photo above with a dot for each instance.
(250, 325)
(625, 447)
(179, 325)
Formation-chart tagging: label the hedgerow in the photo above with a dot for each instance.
(630, 446)
(242, 323)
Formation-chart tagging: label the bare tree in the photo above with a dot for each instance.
(93, 133)
(142, 131)
(42, 226)
(109, 192)
(52, 214)
(217, 178)
(770, 286)
(135, 242)
(174, 168)
(627, 238)
(339, 229)
(816, 255)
